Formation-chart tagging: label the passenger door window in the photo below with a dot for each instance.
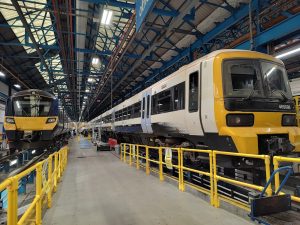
(193, 92)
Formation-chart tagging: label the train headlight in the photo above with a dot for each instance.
(289, 120)
(239, 120)
(10, 120)
(51, 120)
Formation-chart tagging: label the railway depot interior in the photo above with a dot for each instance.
(149, 112)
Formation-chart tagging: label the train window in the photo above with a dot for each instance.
(241, 78)
(148, 106)
(143, 109)
(137, 110)
(125, 113)
(154, 105)
(117, 116)
(31, 106)
(164, 101)
(276, 80)
(179, 92)
(193, 92)
(129, 112)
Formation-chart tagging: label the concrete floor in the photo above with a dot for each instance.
(98, 188)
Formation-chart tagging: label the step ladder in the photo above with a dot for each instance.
(277, 203)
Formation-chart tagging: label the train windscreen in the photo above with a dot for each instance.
(249, 78)
(31, 106)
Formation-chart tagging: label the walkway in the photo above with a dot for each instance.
(98, 188)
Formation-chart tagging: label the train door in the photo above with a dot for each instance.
(207, 109)
(146, 112)
(143, 119)
(193, 85)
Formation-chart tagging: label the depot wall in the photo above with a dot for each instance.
(295, 86)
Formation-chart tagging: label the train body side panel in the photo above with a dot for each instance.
(207, 97)
(31, 123)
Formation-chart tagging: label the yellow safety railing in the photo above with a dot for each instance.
(276, 161)
(56, 164)
(217, 178)
(209, 173)
(297, 106)
(131, 154)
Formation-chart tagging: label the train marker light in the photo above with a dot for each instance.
(10, 120)
(51, 120)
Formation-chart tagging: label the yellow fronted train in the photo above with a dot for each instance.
(33, 120)
(230, 100)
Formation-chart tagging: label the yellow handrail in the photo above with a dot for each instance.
(276, 161)
(127, 153)
(11, 184)
(217, 177)
(209, 174)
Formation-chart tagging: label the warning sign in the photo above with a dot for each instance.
(168, 158)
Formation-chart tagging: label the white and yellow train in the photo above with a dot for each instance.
(33, 120)
(231, 100)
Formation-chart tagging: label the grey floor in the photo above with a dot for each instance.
(98, 188)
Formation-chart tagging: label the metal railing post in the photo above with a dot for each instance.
(55, 171)
(161, 172)
(124, 158)
(12, 210)
(59, 166)
(215, 183)
(147, 161)
(137, 158)
(277, 179)
(130, 154)
(50, 181)
(121, 152)
(211, 178)
(268, 174)
(38, 209)
(180, 170)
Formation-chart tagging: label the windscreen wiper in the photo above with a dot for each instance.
(283, 95)
(252, 92)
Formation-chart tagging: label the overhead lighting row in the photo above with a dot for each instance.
(106, 17)
(2, 74)
(288, 53)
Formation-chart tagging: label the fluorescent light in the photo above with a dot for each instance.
(95, 61)
(2, 74)
(13, 162)
(87, 90)
(91, 80)
(106, 17)
(17, 86)
(85, 97)
(284, 55)
(33, 151)
(18, 104)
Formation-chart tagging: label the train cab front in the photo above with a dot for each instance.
(30, 117)
(255, 108)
